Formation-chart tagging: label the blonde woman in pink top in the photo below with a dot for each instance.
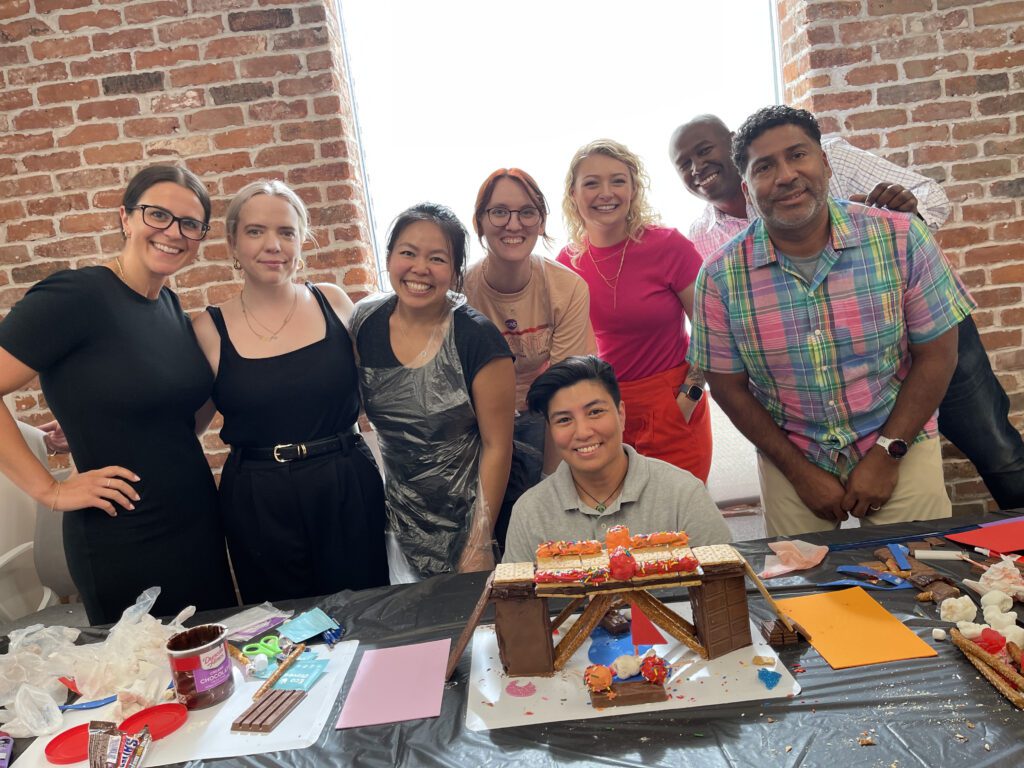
(641, 279)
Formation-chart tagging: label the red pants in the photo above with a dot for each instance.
(655, 426)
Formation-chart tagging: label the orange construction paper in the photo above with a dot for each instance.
(850, 629)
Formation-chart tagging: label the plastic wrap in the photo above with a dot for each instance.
(430, 445)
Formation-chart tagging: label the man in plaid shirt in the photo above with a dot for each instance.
(828, 333)
(974, 413)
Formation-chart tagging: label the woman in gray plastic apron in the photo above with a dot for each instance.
(541, 308)
(438, 385)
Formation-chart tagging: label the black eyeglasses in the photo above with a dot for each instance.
(160, 218)
(499, 215)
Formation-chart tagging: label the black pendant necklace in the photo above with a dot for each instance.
(601, 505)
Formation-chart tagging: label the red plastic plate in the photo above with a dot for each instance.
(163, 720)
(70, 746)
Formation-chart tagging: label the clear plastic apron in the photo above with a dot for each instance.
(430, 444)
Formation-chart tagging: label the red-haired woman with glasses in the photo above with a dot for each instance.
(541, 308)
(641, 278)
(121, 370)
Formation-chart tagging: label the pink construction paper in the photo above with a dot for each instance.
(1008, 537)
(393, 685)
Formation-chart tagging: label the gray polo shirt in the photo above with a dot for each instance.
(655, 497)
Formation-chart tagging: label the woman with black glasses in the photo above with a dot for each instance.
(121, 370)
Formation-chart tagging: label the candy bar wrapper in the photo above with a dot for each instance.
(134, 748)
(111, 748)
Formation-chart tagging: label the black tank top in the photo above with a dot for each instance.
(307, 394)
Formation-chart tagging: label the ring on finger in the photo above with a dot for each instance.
(875, 507)
(108, 483)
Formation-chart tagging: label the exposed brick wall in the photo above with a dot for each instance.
(938, 86)
(93, 90)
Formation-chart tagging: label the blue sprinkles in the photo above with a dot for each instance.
(769, 677)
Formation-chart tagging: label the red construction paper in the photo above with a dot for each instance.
(641, 628)
(1008, 537)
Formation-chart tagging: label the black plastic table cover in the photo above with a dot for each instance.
(923, 712)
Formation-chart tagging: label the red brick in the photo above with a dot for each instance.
(991, 254)
(1000, 60)
(60, 204)
(102, 65)
(1012, 188)
(278, 110)
(226, 163)
(189, 145)
(103, 19)
(202, 74)
(1012, 316)
(998, 13)
(219, 117)
(62, 92)
(357, 276)
(191, 29)
(900, 138)
(977, 128)
(218, 294)
(312, 130)
(12, 100)
(90, 178)
(92, 110)
(19, 143)
(958, 237)
(13, 54)
(113, 153)
(179, 102)
(872, 74)
(271, 66)
(958, 193)
(314, 13)
(340, 148)
(973, 40)
(88, 134)
(874, 118)
(201, 275)
(912, 92)
(241, 92)
(302, 86)
(106, 199)
(320, 172)
(128, 39)
(938, 111)
(870, 31)
(34, 229)
(19, 30)
(988, 211)
(863, 141)
(234, 182)
(251, 21)
(13, 254)
(219, 6)
(944, 153)
(166, 57)
(928, 67)
(41, 73)
(47, 6)
(235, 46)
(1013, 360)
(995, 105)
(23, 186)
(314, 37)
(1010, 230)
(144, 13)
(936, 173)
(285, 154)
(10, 210)
(325, 60)
(40, 119)
(244, 138)
(1007, 147)
(87, 222)
(61, 48)
(151, 126)
(33, 273)
(972, 84)
(884, 7)
(827, 102)
(10, 9)
(905, 47)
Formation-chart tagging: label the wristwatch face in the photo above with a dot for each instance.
(897, 449)
(694, 392)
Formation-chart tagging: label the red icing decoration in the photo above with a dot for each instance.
(621, 564)
(654, 669)
(990, 641)
(520, 691)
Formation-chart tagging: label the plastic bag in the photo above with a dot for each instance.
(35, 713)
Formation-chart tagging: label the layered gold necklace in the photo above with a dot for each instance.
(612, 283)
(269, 334)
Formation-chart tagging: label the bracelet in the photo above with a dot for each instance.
(56, 496)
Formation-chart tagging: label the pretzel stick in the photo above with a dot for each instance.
(769, 599)
(995, 664)
(1000, 684)
(290, 659)
(568, 611)
(1014, 650)
(238, 656)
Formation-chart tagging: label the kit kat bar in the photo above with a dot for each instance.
(267, 713)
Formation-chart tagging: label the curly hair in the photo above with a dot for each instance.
(530, 187)
(640, 215)
(765, 119)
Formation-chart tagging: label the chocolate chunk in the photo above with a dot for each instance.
(624, 694)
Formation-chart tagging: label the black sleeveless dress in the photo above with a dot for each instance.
(307, 527)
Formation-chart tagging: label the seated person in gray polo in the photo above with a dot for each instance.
(601, 482)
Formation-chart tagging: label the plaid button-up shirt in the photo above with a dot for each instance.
(827, 358)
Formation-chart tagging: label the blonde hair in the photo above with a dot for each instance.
(640, 214)
(271, 187)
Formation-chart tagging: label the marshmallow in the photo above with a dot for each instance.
(1001, 600)
(1014, 634)
(969, 629)
(938, 634)
(958, 609)
(626, 666)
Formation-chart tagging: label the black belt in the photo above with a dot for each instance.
(286, 452)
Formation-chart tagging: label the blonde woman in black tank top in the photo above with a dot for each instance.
(302, 499)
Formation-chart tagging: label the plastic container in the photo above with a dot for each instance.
(200, 666)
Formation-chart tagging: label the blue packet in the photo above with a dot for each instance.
(302, 675)
(307, 625)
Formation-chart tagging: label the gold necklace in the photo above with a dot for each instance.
(272, 334)
(614, 282)
(601, 505)
(120, 272)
